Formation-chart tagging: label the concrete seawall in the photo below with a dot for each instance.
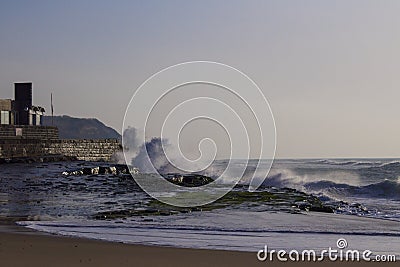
(85, 149)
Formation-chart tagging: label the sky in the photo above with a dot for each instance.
(329, 69)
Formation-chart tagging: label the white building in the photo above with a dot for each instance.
(35, 115)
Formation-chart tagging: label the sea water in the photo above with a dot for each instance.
(365, 192)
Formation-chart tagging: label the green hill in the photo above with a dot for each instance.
(80, 128)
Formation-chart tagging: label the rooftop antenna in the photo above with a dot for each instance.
(52, 109)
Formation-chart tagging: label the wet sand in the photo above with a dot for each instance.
(23, 247)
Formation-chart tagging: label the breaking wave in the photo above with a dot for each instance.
(334, 162)
(356, 163)
(335, 184)
(386, 189)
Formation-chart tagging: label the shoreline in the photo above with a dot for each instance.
(20, 246)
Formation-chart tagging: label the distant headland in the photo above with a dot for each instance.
(80, 128)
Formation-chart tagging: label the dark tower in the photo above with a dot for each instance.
(23, 102)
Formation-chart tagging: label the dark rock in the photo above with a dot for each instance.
(188, 180)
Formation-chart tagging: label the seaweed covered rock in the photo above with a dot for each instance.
(267, 199)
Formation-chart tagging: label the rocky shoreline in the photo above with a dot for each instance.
(117, 169)
(187, 180)
(281, 199)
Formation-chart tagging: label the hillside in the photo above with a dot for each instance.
(81, 128)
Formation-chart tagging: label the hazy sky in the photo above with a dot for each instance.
(330, 69)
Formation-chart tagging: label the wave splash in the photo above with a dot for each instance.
(335, 184)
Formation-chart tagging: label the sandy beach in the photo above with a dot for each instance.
(22, 247)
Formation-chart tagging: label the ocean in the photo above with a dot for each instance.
(302, 204)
